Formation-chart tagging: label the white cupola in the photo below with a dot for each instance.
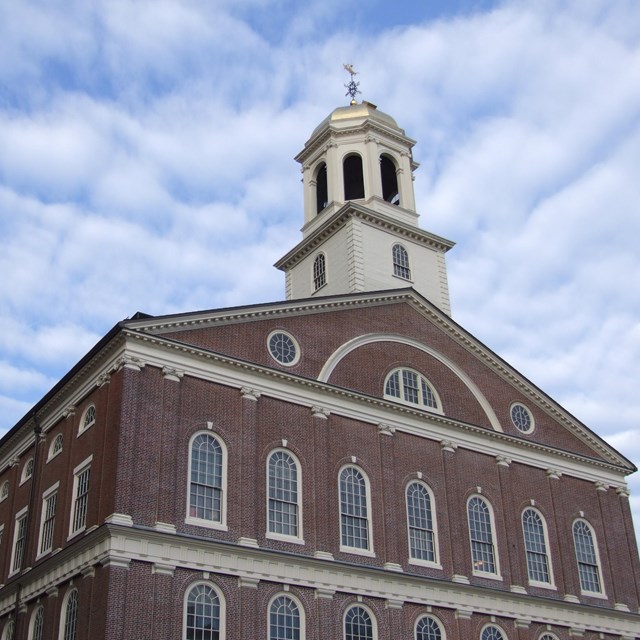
(360, 228)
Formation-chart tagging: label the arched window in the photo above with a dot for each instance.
(27, 471)
(207, 477)
(409, 386)
(535, 544)
(36, 624)
(358, 624)
(400, 262)
(9, 630)
(587, 556)
(389, 176)
(427, 628)
(492, 633)
(319, 271)
(322, 192)
(548, 636)
(69, 618)
(420, 523)
(88, 418)
(284, 495)
(56, 446)
(203, 613)
(285, 619)
(354, 512)
(481, 535)
(353, 177)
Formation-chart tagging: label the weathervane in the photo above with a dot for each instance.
(352, 87)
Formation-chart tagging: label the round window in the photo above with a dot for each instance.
(283, 348)
(521, 418)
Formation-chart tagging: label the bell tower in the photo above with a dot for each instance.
(360, 228)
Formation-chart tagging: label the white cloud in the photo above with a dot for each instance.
(146, 164)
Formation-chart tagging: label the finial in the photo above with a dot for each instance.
(352, 87)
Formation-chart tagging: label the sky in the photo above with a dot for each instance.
(146, 164)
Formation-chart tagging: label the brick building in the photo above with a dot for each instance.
(347, 464)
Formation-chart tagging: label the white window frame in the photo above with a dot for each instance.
(498, 628)
(64, 610)
(82, 427)
(20, 517)
(51, 492)
(27, 471)
(4, 491)
(435, 563)
(9, 631)
(32, 622)
(221, 600)
(594, 541)
(374, 620)
(400, 265)
(319, 276)
(52, 454)
(369, 551)
(537, 583)
(493, 575)
(408, 403)
(202, 522)
(299, 538)
(443, 635)
(296, 601)
(77, 472)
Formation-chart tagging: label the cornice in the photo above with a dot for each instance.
(323, 137)
(340, 401)
(354, 210)
(119, 546)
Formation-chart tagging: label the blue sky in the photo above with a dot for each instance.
(146, 164)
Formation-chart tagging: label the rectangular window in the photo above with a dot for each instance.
(80, 497)
(47, 522)
(19, 539)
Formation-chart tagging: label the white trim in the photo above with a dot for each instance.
(81, 426)
(594, 540)
(532, 421)
(4, 490)
(299, 538)
(492, 575)
(51, 455)
(296, 346)
(443, 634)
(435, 563)
(202, 522)
(536, 583)
(374, 620)
(77, 472)
(341, 352)
(112, 544)
(23, 476)
(495, 626)
(369, 550)
(20, 515)
(63, 609)
(221, 599)
(301, 611)
(53, 489)
(421, 377)
(32, 620)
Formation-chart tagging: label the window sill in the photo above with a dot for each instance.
(425, 563)
(283, 538)
(208, 524)
(543, 585)
(593, 594)
(75, 534)
(490, 576)
(358, 552)
(80, 432)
